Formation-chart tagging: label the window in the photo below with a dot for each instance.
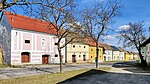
(91, 56)
(27, 41)
(84, 46)
(91, 49)
(56, 55)
(73, 46)
(56, 43)
(79, 55)
(43, 42)
(16, 33)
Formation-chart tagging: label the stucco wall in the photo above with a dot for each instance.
(79, 50)
(116, 55)
(108, 55)
(37, 47)
(148, 53)
(92, 54)
(122, 55)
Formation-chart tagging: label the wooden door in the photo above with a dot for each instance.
(45, 59)
(25, 57)
(73, 58)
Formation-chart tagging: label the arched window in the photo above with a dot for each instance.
(43, 43)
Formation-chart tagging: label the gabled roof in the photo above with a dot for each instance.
(120, 49)
(107, 47)
(115, 48)
(146, 42)
(26, 23)
(135, 53)
(91, 42)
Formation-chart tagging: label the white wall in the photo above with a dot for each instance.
(108, 54)
(116, 55)
(121, 55)
(35, 53)
(148, 53)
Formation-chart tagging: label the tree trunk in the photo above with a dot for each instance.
(97, 50)
(60, 58)
(143, 62)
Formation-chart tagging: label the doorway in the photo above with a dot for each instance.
(25, 57)
(45, 59)
(73, 58)
(84, 57)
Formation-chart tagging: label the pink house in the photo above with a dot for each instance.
(28, 41)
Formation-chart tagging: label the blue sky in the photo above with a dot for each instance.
(132, 11)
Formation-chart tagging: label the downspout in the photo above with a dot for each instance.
(65, 51)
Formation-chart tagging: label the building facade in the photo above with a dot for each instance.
(116, 53)
(145, 50)
(77, 52)
(108, 52)
(92, 50)
(29, 41)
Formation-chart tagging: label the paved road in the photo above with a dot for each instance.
(43, 69)
(122, 73)
(101, 77)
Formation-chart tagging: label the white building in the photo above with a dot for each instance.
(26, 40)
(108, 52)
(147, 45)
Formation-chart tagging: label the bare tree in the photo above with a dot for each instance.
(95, 20)
(133, 36)
(4, 4)
(59, 14)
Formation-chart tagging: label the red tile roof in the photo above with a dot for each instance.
(26, 23)
(91, 42)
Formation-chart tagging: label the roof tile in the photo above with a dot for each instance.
(26, 23)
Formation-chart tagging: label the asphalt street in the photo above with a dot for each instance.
(44, 69)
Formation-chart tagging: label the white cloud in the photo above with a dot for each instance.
(108, 37)
(124, 27)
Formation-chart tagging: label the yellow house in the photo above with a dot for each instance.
(131, 56)
(92, 54)
(77, 52)
(127, 56)
(92, 50)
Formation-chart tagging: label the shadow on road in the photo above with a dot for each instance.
(130, 66)
(43, 70)
(81, 77)
(101, 77)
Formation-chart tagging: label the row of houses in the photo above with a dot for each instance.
(26, 40)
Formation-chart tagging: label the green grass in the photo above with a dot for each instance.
(3, 66)
(48, 78)
(105, 68)
(43, 79)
